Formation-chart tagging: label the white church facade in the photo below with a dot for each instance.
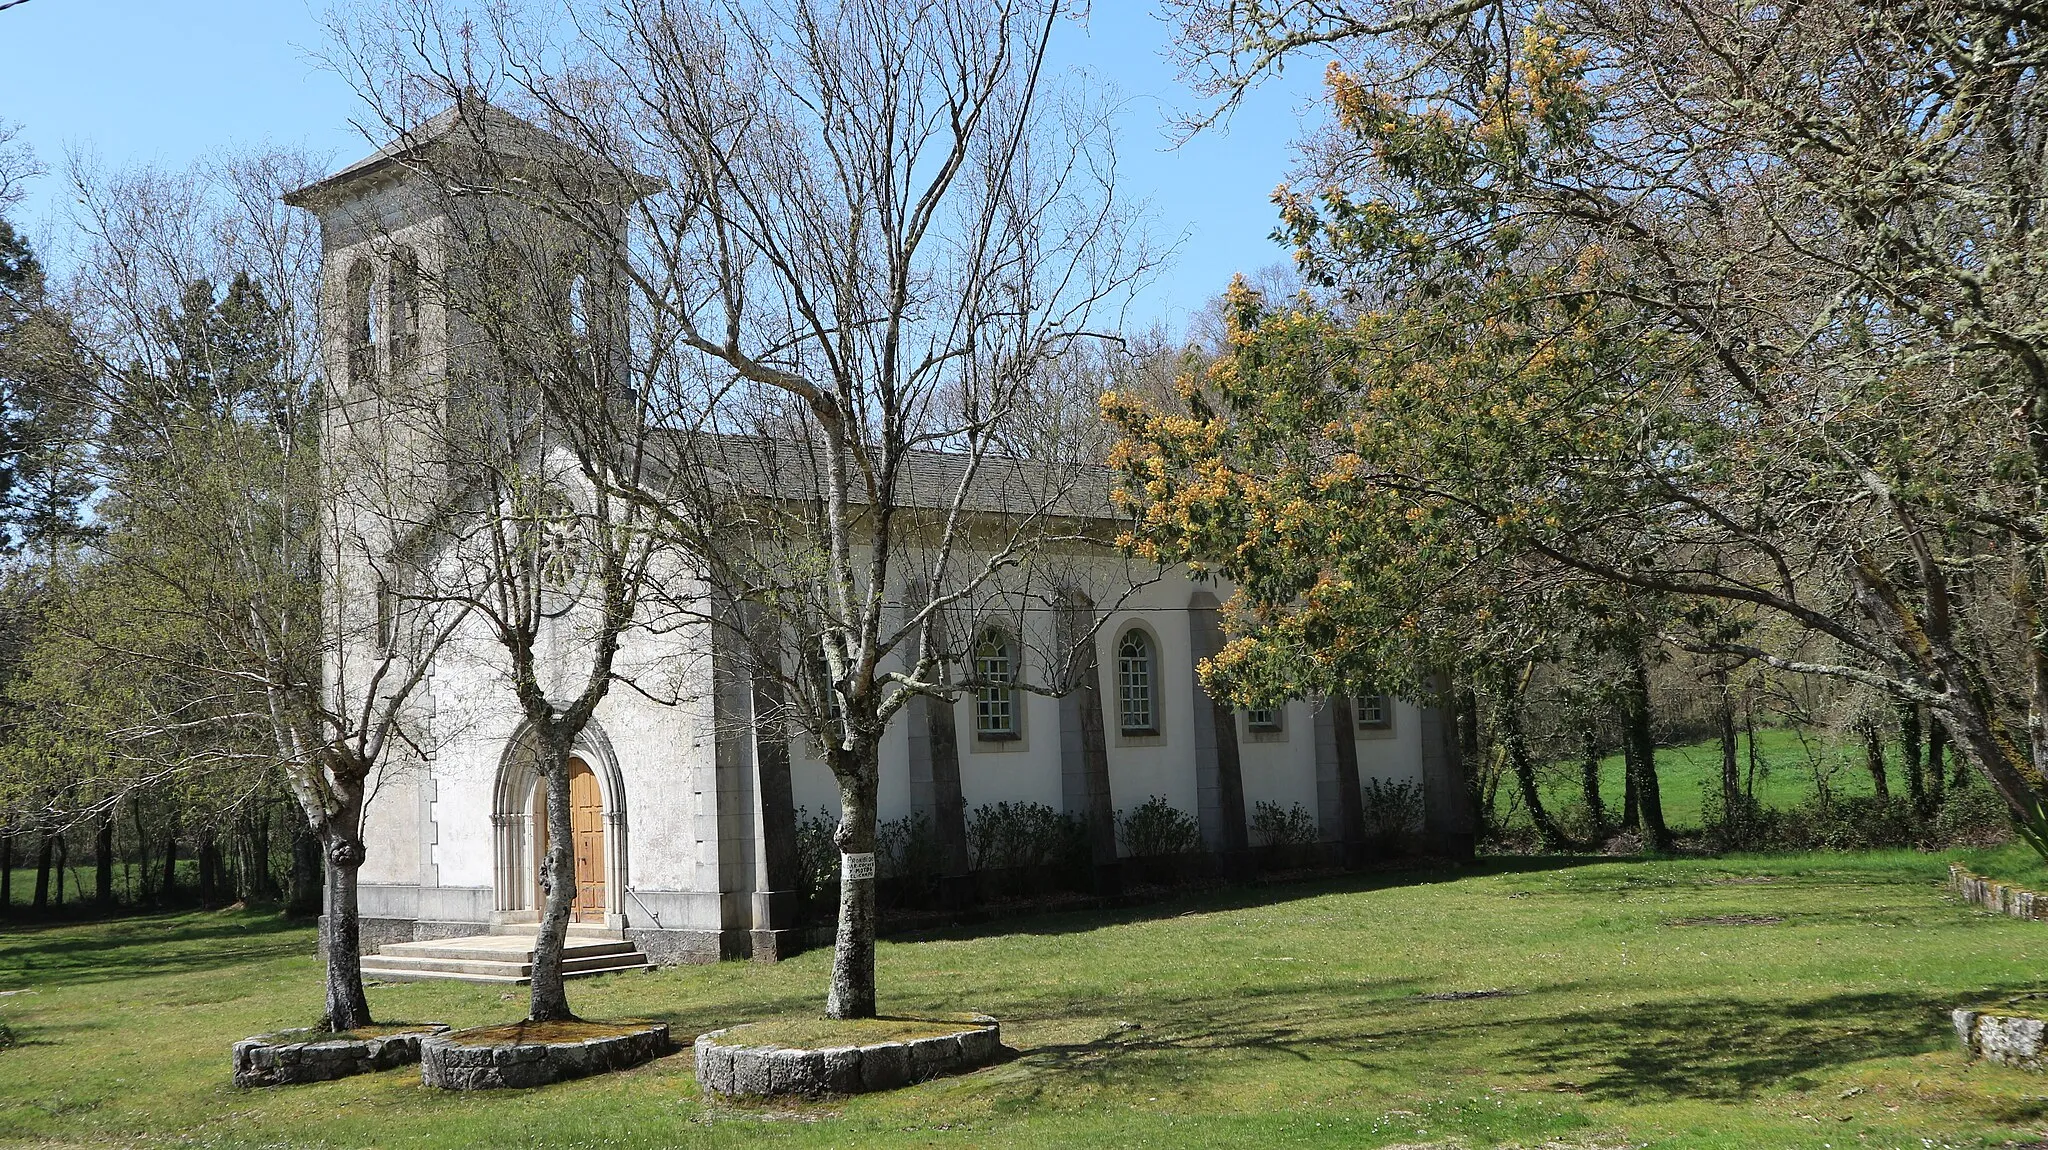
(684, 806)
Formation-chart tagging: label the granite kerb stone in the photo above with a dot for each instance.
(290, 1057)
(732, 1069)
(2008, 1039)
(448, 1062)
(1994, 895)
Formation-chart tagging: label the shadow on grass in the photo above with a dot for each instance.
(1026, 919)
(141, 945)
(1731, 1049)
(1719, 1049)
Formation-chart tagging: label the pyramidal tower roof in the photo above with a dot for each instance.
(469, 125)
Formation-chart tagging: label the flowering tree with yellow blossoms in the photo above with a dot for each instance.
(1721, 316)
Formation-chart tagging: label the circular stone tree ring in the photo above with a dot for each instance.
(290, 1057)
(856, 1057)
(525, 1054)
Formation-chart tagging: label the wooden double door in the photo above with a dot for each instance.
(586, 824)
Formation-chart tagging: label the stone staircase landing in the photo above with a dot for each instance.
(502, 958)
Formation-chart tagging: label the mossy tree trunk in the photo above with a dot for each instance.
(549, 1000)
(852, 992)
(1640, 752)
(1589, 776)
(1517, 744)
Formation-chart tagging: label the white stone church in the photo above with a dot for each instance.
(685, 807)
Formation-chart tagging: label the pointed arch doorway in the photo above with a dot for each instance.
(597, 826)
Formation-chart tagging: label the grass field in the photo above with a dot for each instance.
(80, 877)
(1616, 1011)
(1788, 767)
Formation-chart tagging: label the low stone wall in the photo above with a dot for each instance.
(770, 1070)
(291, 1057)
(2007, 1039)
(446, 1062)
(1991, 894)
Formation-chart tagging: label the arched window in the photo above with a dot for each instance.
(405, 309)
(995, 699)
(822, 682)
(579, 307)
(362, 320)
(1135, 675)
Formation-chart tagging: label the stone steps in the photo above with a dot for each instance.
(501, 958)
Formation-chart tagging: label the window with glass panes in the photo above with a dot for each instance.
(1134, 675)
(1374, 712)
(1263, 719)
(995, 701)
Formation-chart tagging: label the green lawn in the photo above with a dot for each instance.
(2014, 862)
(1786, 777)
(1281, 1016)
(81, 877)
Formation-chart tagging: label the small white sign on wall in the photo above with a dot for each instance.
(854, 868)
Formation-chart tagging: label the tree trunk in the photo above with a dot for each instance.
(63, 868)
(6, 875)
(852, 994)
(1936, 782)
(140, 893)
(304, 900)
(1937, 751)
(1547, 830)
(1732, 808)
(257, 883)
(348, 1005)
(209, 869)
(1642, 756)
(1478, 792)
(170, 887)
(1873, 758)
(42, 899)
(1909, 757)
(1749, 746)
(103, 863)
(1350, 793)
(1631, 814)
(550, 999)
(1589, 777)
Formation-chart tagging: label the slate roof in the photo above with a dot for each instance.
(928, 480)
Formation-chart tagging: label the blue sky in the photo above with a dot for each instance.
(135, 81)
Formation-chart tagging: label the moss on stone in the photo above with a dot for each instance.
(526, 1033)
(827, 1033)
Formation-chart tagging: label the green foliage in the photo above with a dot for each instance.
(1008, 834)
(1393, 809)
(1972, 816)
(907, 848)
(1591, 354)
(45, 409)
(1274, 827)
(817, 856)
(1156, 828)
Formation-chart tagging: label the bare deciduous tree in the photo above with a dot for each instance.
(209, 452)
(866, 230)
